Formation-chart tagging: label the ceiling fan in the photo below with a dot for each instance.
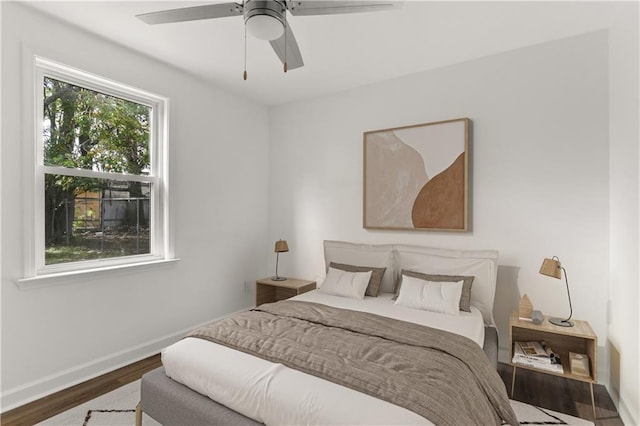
(267, 19)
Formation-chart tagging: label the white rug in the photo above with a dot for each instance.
(532, 415)
(117, 408)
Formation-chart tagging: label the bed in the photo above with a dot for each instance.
(205, 379)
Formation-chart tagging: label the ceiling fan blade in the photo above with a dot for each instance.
(293, 55)
(329, 7)
(192, 13)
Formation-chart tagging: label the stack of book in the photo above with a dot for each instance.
(536, 355)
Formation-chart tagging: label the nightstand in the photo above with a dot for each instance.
(578, 339)
(268, 290)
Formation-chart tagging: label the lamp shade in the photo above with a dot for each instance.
(551, 268)
(281, 246)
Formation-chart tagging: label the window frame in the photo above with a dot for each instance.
(34, 204)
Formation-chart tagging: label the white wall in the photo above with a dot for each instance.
(57, 335)
(539, 170)
(624, 277)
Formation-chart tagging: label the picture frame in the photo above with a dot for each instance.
(417, 177)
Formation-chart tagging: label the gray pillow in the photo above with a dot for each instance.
(373, 288)
(465, 298)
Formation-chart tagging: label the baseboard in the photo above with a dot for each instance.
(625, 414)
(23, 394)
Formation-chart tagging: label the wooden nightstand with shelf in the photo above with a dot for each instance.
(268, 290)
(578, 339)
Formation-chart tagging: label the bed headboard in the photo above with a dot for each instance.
(481, 264)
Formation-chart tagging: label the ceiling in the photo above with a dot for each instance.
(340, 51)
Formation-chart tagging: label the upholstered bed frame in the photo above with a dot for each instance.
(172, 403)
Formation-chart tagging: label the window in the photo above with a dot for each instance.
(100, 187)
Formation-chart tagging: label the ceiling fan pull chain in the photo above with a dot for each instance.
(286, 24)
(244, 75)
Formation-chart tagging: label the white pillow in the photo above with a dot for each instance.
(376, 255)
(345, 284)
(442, 297)
(481, 264)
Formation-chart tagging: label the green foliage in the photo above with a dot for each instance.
(90, 248)
(90, 130)
(75, 253)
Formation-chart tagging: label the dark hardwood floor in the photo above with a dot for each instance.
(563, 395)
(58, 402)
(566, 396)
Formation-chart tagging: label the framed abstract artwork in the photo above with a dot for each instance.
(416, 177)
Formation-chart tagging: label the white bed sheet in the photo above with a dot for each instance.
(277, 395)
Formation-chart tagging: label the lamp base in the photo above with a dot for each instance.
(277, 278)
(561, 322)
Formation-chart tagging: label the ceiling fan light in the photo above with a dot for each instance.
(264, 27)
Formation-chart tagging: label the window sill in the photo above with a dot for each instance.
(63, 277)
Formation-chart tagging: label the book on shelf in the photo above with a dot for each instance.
(536, 351)
(555, 368)
(533, 349)
(537, 355)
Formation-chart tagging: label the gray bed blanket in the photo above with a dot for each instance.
(441, 376)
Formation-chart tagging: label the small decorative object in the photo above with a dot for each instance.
(554, 358)
(281, 247)
(416, 177)
(553, 268)
(537, 317)
(579, 364)
(526, 308)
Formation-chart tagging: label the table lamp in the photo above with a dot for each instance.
(281, 247)
(553, 268)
